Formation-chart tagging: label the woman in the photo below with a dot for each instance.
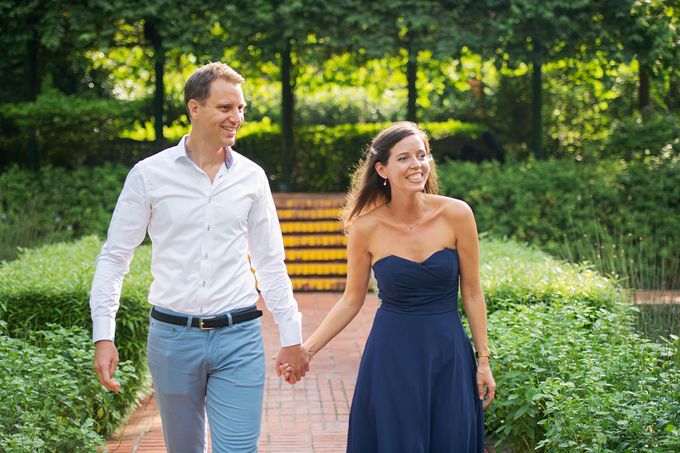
(418, 388)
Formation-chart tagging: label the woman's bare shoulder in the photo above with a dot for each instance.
(367, 222)
(452, 207)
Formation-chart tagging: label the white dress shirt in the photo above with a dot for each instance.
(201, 234)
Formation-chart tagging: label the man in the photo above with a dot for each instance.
(206, 208)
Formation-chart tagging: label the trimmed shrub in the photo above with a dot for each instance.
(518, 274)
(49, 287)
(621, 216)
(55, 204)
(51, 399)
(69, 128)
(51, 284)
(325, 156)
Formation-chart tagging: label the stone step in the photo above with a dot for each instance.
(336, 284)
(314, 240)
(308, 200)
(307, 226)
(321, 269)
(315, 254)
(331, 214)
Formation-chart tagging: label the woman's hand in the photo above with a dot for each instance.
(285, 370)
(486, 386)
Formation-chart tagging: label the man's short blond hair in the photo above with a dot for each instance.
(198, 85)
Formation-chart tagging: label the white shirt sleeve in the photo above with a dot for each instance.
(126, 231)
(267, 256)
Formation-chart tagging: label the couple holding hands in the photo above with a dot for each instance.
(420, 386)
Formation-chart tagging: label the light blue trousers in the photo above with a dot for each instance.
(219, 372)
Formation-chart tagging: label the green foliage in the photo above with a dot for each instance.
(55, 204)
(326, 155)
(44, 38)
(653, 134)
(70, 129)
(48, 289)
(574, 377)
(611, 209)
(51, 399)
(517, 274)
(51, 284)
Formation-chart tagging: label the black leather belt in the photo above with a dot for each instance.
(207, 323)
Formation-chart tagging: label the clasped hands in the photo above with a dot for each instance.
(292, 363)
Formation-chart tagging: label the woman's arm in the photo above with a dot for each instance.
(347, 307)
(467, 244)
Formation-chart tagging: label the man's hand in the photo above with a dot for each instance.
(105, 363)
(295, 359)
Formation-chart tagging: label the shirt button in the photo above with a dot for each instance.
(208, 227)
(206, 256)
(203, 283)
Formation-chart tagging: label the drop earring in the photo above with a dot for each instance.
(385, 182)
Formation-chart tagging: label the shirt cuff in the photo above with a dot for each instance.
(103, 329)
(290, 332)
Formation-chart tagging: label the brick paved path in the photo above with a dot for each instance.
(308, 417)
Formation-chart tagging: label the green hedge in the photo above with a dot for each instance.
(518, 274)
(49, 287)
(55, 204)
(572, 373)
(574, 377)
(51, 400)
(51, 284)
(68, 129)
(622, 216)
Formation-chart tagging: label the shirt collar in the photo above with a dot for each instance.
(181, 151)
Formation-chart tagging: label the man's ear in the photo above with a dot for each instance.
(192, 107)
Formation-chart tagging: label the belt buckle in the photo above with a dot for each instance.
(202, 327)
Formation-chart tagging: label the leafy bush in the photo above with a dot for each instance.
(68, 129)
(517, 274)
(574, 377)
(652, 134)
(55, 204)
(51, 399)
(325, 156)
(49, 287)
(623, 211)
(51, 284)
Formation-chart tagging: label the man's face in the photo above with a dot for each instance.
(221, 114)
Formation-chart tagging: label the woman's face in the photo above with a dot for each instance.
(408, 165)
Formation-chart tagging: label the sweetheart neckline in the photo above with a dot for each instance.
(412, 261)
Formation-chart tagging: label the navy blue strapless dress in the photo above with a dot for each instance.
(416, 389)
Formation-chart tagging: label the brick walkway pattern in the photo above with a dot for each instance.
(309, 417)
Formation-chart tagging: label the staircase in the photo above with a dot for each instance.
(315, 243)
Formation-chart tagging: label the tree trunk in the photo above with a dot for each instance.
(159, 93)
(411, 75)
(31, 95)
(644, 99)
(287, 109)
(156, 41)
(537, 105)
